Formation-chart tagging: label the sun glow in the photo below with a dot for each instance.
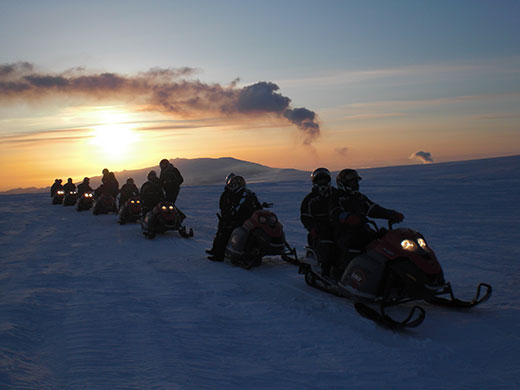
(115, 136)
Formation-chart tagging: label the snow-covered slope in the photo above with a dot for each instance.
(88, 304)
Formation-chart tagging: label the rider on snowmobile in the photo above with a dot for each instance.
(84, 187)
(128, 190)
(151, 193)
(237, 204)
(349, 211)
(314, 216)
(55, 187)
(69, 186)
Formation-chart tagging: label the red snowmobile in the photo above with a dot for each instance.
(163, 217)
(397, 267)
(260, 235)
(130, 211)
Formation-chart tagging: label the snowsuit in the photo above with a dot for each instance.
(55, 187)
(110, 185)
(235, 209)
(314, 215)
(171, 179)
(84, 187)
(348, 213)
(69, 186)
(127, 191)
(151, 194)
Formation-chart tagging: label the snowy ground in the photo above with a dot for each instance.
(88, 304)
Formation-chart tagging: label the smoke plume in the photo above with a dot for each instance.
(424, 157)
(161, 90)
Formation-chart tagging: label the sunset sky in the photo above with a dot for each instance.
(86, 85)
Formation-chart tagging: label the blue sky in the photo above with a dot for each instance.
(427, 75)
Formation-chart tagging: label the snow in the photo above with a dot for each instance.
(88, 304)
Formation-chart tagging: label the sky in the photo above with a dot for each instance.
(292, 84)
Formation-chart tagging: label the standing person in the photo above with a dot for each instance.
(349, 211)
(151, 193)
(314, 215)
(237, 204)
(55, 187)
(84, 187)
(128, 190)
(171, 180)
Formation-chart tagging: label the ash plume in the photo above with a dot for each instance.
(424, 157)
(160, 90)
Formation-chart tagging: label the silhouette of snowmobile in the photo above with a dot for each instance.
(163, 217)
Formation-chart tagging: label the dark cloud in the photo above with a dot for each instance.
(162, 90)
(424, 157)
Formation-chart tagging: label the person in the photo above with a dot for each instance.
(236, 204)
(109, 184)
(314, 215)
(128, 190)
(84, 187)
(69, 186)
(171, 180)
(151, 193)
(349, 211)
(55, 187)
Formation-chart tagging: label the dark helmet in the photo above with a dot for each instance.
(229, 177)
(105, 171)
(348, 180)
(59, 180)
(130, 180)
(69, 180)
(321, 180)
(86, 180)
(164, 163)
(236, 183)
(152, 175)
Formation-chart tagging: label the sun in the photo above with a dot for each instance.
(114, 137)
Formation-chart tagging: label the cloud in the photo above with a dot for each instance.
(424, 157)
(159, 90)
(341, 151)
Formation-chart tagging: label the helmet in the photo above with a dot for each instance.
(86, 179)
(152, 175)
(129, 181)
(105, 171)
(348, 180)
(236, 183)
(69, 180)
(321, 180)
(229, 177)
(164, 163)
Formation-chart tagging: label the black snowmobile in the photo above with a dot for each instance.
(58, 197)
(130, 211)
(70, 198)
(104, 204)
(85, 201)
(396, 268)
(163, 217)
(260, 235)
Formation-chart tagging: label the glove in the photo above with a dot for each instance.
(396, 217)
(349, 219)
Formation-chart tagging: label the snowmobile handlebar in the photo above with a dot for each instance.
(267, 205)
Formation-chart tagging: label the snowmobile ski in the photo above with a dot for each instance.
(457, 303)
(414, 319)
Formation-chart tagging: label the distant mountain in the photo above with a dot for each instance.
(199, 171)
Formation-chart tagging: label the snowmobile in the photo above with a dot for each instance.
(163, 217)
(70, 198)
(58, 197)
(85, 201)
(104, 204)
(395, 268)
(260, 235)
(130, 211)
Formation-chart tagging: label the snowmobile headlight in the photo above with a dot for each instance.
(171, 207)
(422, 243)
(409, 245)
(262, 219)
(163, 208)
(137, 201)
(60, 192)
(90, 195)
(132, 201)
